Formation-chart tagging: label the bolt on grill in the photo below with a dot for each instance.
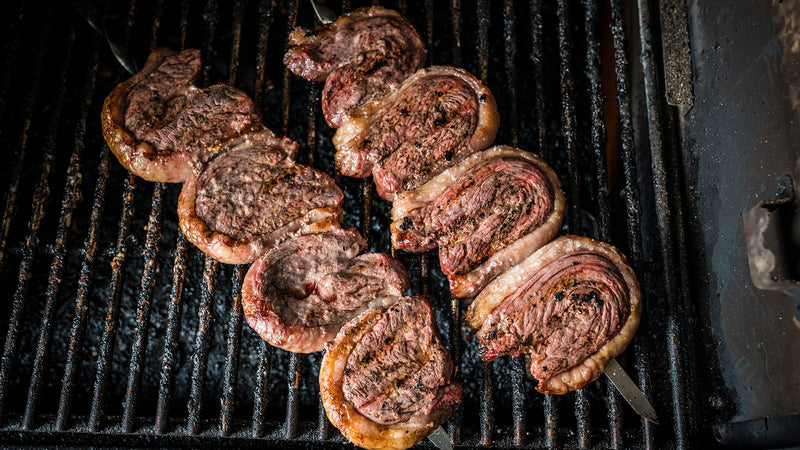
(120, 332)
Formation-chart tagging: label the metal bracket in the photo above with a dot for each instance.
(764, 242)
(677, 52)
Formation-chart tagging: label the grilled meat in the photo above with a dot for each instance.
(250, 195)
(360, 56)
(157, 121)
(386, 381)
(486, 214)
(300, 293)
(573, 305)
(436, 118)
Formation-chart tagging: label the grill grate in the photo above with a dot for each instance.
(129, 308)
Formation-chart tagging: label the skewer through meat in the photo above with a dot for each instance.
(486, 214)
(360, 56)
(437, 117)
(573, 305)
(157, 121)
(386, 381)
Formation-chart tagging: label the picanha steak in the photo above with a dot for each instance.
(360, 56)
(573, 305)
(437, 117)
(250, 196)
(386, 381)
(158, 120)
(300, 293)
(485, 215)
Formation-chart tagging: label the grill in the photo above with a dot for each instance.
(118, 332)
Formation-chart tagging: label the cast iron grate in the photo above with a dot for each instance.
(118, 332)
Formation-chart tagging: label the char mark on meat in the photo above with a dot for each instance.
(249, 195)
(360, 56)
(298, 295)
(157, 121)
(386, 381)
(485, 215)
(572, 305)
(435, 119)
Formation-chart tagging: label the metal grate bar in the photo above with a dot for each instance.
(229, 386)
(311, 137)
(538, 73)
(509, 20)
(550, 422)
(456, 350)
(286, 100)
(598, 142)
(582, 415)
(483, 39)
(169, 356)
(568, 115)
(661, 186)
(676, 347)
(323, 424)
(265, 20)
(293, 397)
(151, 250)
(183, 25)
(87, 267)
(201, 346)
(429, 30)
(598, 133)
(235, 316)
(456, 22)
(238, 17)
(143, 311)
(210, 18)
(65, 220)
(261, 388)
(260, 399)
(10, 59)
(519, 394)
(28, 106)
(486, 394)
(107, 341)
(487, 403)
(156, 24)
(631, 188)
(205, 318)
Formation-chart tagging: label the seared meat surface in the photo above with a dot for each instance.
(573, 305)
(298, 295)
(157, 121)
(250, 195)
(360, 56)
(436, 118)
(485, 215)
(386, 381)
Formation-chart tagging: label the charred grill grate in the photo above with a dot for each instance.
(118, 332)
